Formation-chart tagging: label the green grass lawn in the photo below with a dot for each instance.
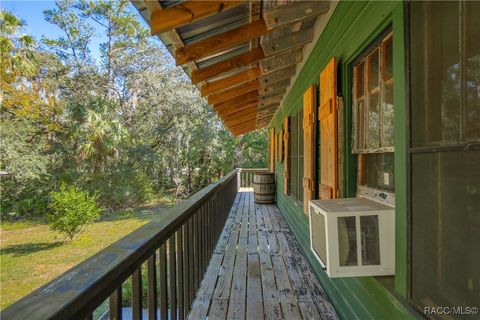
(31, 254)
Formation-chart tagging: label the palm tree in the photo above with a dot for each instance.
(102, 141)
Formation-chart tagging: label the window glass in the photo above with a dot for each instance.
(373, 70)
(377, 171)
(373, 139)
(388, 117)
(388, 59)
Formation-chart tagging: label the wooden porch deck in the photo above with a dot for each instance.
(258, 271)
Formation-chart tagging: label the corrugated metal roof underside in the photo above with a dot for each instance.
(281, 50)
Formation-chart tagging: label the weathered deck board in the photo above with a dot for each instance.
(258, 271)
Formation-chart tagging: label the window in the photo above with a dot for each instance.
(445, 154)
(296, 156)
(373, 125)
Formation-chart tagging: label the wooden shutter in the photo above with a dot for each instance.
(328, 131)
(286, 155)
(272, 150)
(308, 146)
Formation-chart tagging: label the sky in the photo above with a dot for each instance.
(32, 13)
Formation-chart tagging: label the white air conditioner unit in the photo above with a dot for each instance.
(353, 237)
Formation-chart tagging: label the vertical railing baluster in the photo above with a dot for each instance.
(172, 300)
(186, 264)
(137, 294)
(202, 242)
(197, 250)
(191, 265)
(180, 273)
(163, 282)
(152, 286)
(116, 304)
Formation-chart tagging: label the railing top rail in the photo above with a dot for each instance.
(92, 281)
(253, 169)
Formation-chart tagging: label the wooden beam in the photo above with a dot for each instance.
(279, 61)
(267, 108)
(278, 75)
(230, 81)
(294, 12)
(240, 126)
(237, 100)
(262, 123)
(238, 113)
(234, 92)
(275, 86)
(186, 12)
(244, 131)
(236, 109)
(249, 122)
(270, 101)
(272, 94)
(265, 117)
(246, 121)
(218, 68)
(172, 35)
(292, 40)
(241, 119)
(229, 108)
(226, 40)
(243, 124)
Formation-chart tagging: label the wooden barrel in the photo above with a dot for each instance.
(264, 187)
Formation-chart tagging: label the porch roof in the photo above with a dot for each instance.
(240, 54)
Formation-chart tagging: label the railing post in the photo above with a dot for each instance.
(239, 179)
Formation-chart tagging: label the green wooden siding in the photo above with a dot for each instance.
(352, 27)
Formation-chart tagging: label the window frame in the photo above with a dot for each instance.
(364, 58)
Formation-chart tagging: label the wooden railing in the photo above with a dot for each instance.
(159, 266)
(246, 176)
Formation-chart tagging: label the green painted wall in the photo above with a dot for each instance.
(352, 27)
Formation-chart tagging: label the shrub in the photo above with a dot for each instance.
(71, 210)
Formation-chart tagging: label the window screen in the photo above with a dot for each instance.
(445, 156)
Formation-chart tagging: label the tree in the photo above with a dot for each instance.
(101, 140)
(71, 211)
